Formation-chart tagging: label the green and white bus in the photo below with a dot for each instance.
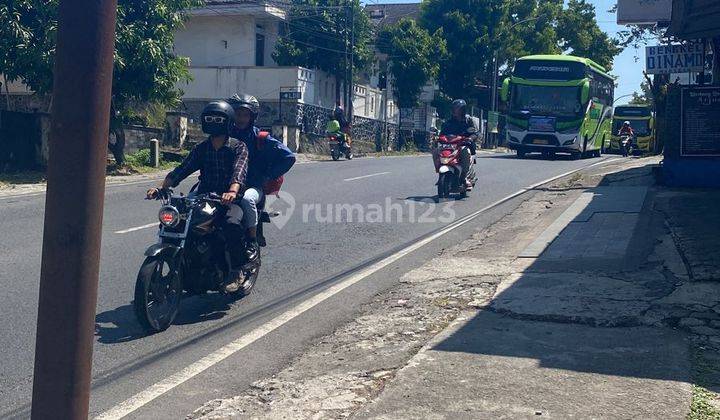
(558, 103)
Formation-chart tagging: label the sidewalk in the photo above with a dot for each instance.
(531, 319)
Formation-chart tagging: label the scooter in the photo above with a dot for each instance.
(339, 146)
(450, 169)
(626, 145)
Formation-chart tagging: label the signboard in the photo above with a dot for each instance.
(549, 70)
(679, 58)
(291, 96)
(639, 12)
(493, 121)
(700, 108)
(543, 124)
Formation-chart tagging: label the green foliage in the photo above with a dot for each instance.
(318, 33)
(475, 29)
(139, 158)
(146, 69)
(414, 58)
(645, 95)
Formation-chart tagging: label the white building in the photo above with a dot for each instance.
(230, 45)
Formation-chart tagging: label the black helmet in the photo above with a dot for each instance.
(459, 104)
(248, 102)
(217, 118)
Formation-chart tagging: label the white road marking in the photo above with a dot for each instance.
(134, 229)
(158, 389)
(366, 176)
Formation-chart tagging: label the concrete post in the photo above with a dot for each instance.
(155, 153)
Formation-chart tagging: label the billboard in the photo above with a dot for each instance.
(639, 12)
(678, 58)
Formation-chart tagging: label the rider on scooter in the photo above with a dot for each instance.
(459, 125)
(626, 130)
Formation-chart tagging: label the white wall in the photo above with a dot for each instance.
(222, 82)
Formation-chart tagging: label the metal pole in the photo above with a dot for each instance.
(74, 209)
(493, 96)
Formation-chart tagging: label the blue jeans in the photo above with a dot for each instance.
(249, 203)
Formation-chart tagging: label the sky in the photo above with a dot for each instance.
(628, 65)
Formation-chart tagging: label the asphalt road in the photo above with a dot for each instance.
(318, 245)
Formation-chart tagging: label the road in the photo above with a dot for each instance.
(304, 258)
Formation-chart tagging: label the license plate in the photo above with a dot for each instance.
(540, 141)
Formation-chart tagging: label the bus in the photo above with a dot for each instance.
(558, 103)
(642, 122)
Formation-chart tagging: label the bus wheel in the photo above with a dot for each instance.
(520, 154)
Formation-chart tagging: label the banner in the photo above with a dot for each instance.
(679, 58)
(493, 121)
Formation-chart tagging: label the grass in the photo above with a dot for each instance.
(135, 163)
(705, 376)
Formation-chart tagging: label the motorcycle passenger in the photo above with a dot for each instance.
(270, 159)
(339, 116)
(459, 125)
(223, 164)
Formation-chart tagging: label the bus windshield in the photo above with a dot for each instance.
(557, 101)
(640, 127)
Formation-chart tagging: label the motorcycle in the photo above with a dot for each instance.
(626, 145)
(191, 257)
(339, 146)
(450, 169)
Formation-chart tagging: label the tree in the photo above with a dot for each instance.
(318, 35)
(476, 29)
(145, 69)
(414, 57)
(580, 35)
(645, 96)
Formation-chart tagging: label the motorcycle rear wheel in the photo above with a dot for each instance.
(158, 291)
(335, 154)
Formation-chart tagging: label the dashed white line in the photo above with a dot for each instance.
(194, 369)
(366, 176)
(134, 229)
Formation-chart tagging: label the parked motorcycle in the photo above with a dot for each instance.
(339, 146)
(191, 257)
(449, 170)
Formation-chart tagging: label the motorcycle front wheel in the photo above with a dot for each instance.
(158, 291)
(444, 186)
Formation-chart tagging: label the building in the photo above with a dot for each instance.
(230, 45)
(424, 116)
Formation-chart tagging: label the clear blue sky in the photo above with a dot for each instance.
(627, 69)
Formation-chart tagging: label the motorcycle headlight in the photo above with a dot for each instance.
(169, 216)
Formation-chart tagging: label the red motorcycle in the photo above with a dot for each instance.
(340, 145)
(449, 168)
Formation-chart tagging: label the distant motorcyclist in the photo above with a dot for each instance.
(269, 160)
(459, 125)
(626, 130)
(223, 164)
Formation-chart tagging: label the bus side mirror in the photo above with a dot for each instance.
(585, 96)
(505, 90)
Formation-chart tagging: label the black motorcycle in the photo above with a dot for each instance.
(192, 257)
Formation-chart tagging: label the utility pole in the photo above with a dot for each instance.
(74, 208)
(351, 11)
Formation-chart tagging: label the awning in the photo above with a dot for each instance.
(693, 19)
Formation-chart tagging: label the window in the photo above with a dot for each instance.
(259, 50)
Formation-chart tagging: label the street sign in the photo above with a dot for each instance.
(643, 12)
(291, 96)
(700, 134)
(678, 58)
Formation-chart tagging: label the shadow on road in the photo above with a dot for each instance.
(120, 324)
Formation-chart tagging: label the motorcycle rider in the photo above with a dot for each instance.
(223, 164)
(459, 125)
(270, 159)
(626, 130)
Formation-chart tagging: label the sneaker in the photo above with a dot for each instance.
(235, 282)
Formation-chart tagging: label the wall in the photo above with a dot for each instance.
(138, 137)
